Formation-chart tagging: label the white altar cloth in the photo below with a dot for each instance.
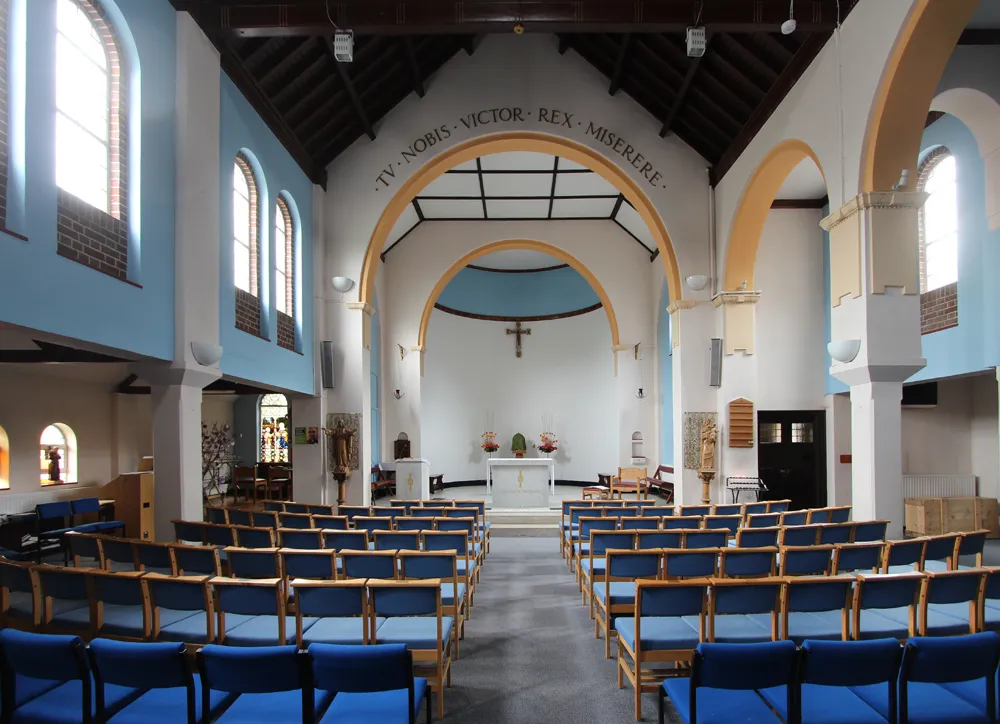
(520, 483)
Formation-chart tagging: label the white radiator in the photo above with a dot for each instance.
(939, 486)
(26, 502)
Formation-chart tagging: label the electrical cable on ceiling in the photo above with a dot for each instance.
(326, 6)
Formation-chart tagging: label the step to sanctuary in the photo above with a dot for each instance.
(524, 522)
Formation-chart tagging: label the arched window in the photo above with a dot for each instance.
(57, 453)
(4, 460)
(284, 258)
(274, 429)
(88, 107)
(938, 221)
(244, 227)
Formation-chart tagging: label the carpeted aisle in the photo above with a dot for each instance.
(529, 653)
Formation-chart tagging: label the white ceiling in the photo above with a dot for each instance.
(804, 182)
(517, 259)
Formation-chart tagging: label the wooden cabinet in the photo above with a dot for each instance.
(133, 496)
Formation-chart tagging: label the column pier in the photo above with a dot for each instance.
(736, 318)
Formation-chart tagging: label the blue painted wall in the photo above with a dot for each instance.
(246, 356)
(664, 343)
(38, 288)
(530, 294)
(975, 343)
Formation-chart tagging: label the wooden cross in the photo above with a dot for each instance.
(518, 331)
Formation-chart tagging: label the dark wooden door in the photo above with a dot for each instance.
(791, 456)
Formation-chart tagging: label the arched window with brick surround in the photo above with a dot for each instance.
(246, 246)
(284, 271)
(938, 229)
(91, 144)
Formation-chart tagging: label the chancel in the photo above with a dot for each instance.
(506, 353)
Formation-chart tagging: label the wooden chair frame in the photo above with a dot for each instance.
(719, 583)
(154, 610)
(602, 623)
(858, 599)
(461, 607)
(786, 594)
(280, 597)
(975, 622)
(97, 605)
(359, 583)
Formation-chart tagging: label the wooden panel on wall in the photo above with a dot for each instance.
(741, 423)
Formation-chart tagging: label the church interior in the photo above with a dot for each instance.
(499, 361)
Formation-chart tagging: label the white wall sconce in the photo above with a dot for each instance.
(206, 353)
(696, 282)
(342, 284)
(844, 350)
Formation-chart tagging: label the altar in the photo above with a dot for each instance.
(520, 483)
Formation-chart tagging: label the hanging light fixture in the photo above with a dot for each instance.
(788, 27)
(641, 392)
(398, 391)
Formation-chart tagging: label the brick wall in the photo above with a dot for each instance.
(4, 104)
(286, 331)
(939, 309)
(98, 238)
(247, 312)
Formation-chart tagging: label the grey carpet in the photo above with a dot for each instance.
(529, 653)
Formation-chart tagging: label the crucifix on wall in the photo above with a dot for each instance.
(517, 331)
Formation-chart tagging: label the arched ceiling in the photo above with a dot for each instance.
(517, 260)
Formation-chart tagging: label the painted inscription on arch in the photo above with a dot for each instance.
(515, 116)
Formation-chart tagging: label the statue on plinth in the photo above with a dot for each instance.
(343, 442)
(709, 437)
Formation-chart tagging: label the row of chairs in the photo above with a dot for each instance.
(668, 619)
(931, 681)
(61, 680)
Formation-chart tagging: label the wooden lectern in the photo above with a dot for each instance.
(133, 496)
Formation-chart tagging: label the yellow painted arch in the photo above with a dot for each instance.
(907, 87)
(506, 245)
(755, 205)
(518, 141)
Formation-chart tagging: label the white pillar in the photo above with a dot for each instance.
(838, 444)
(735, 319)
(877, 468)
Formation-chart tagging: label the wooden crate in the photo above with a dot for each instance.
(935, 516)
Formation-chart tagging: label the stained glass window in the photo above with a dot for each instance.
(55, 447)
(274, 429)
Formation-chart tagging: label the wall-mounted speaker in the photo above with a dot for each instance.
(326, 364)
(715, 380)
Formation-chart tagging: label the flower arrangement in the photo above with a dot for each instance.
(489, 443)
(548, 442)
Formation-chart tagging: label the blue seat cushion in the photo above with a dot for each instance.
(973, 692)
(64, 704)
(947, 619)
(659, 633)
(27, 688)
(991, 618)
(186, 626)
(417, 632)
(335, 630)
(876, 696)
(73, 615)
(884, 623)
(933, 704)
(448, 593)
(718, 706)
(822, 625)
(905, 568)
(740, 628)
(933, 565)
(622, 593)
(280, 706)
(600, 566)
(169, 706)
(21, 605)
(384, 707)
(825, 705)
(121, 620)
(262, 630)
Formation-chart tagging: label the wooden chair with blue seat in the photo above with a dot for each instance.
(168, 691)
(338, 609)
(153, 557)
(728, 509)
(47, 679)
(193, 560)
(778, 506)
(85, 550)
(346, 540)
(254, 562)
(633, 522)
(581, 547)
(794, 517)
(181, 608)
(187, 531)
(816, 607)
(370, 564)
(308, 564)
(658, 633)
(744, 610)
(370, 683)
(406, 505)
(254, 612)
(755, 508)
(52, 523)
(350, 511)
(646, 540)
(118, 554)
(428, 512)
(840, 514)
(371, 524)
(949, 602)
(485, 526)
(870, 531)
(699, 510)
(120, 605)
(725, 679)
(940, 552)
(763, 520)
(834, 533)
(307, 539)
(458, 541)
(851, 557)
(615, 596)
(687, 563)
(829, 675)
(330, 522)
(237, 516)
(414, 617)
(622, 512)
(389, 512)
(885, 605)
(594, 566)
(254, 537)
(949, 680)
(440, 565)
(903, 556)
(271, 684)
(748, 562)
(730, 523)
(818, 515)
(805, 560)
(657, 511)
(63, 600)
(989, 600)
(706, 538)
(218, 516)
(319, 509)
(757, 537)
(274, 506)
(971, 545)
(295, 520)
(264, 518)
(414, 524)
(452, 524)
(92, 507)
(398, 540)
(17, 595)
(685, 522)
(570, 526)
(291, 507)
(798, 535)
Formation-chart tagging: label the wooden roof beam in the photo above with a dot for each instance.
(411, 57)
(681, 96)
(359, 109)
(616, 77)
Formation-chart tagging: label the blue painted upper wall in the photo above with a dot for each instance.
(40, 289)
(527, 294)
(246, 356)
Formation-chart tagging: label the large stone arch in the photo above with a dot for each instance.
(755, 205)
(907, 86)
(506, 245)
(518, 141)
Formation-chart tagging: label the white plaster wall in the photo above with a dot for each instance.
(985, 436)
(132, 417)
(567, 370)
(838, 443)
(790, 331)
(937, 440)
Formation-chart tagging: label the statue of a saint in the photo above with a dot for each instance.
(54, 458)
(709, 435)
(343, 442)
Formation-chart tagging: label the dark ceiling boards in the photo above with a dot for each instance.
(280, 56)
